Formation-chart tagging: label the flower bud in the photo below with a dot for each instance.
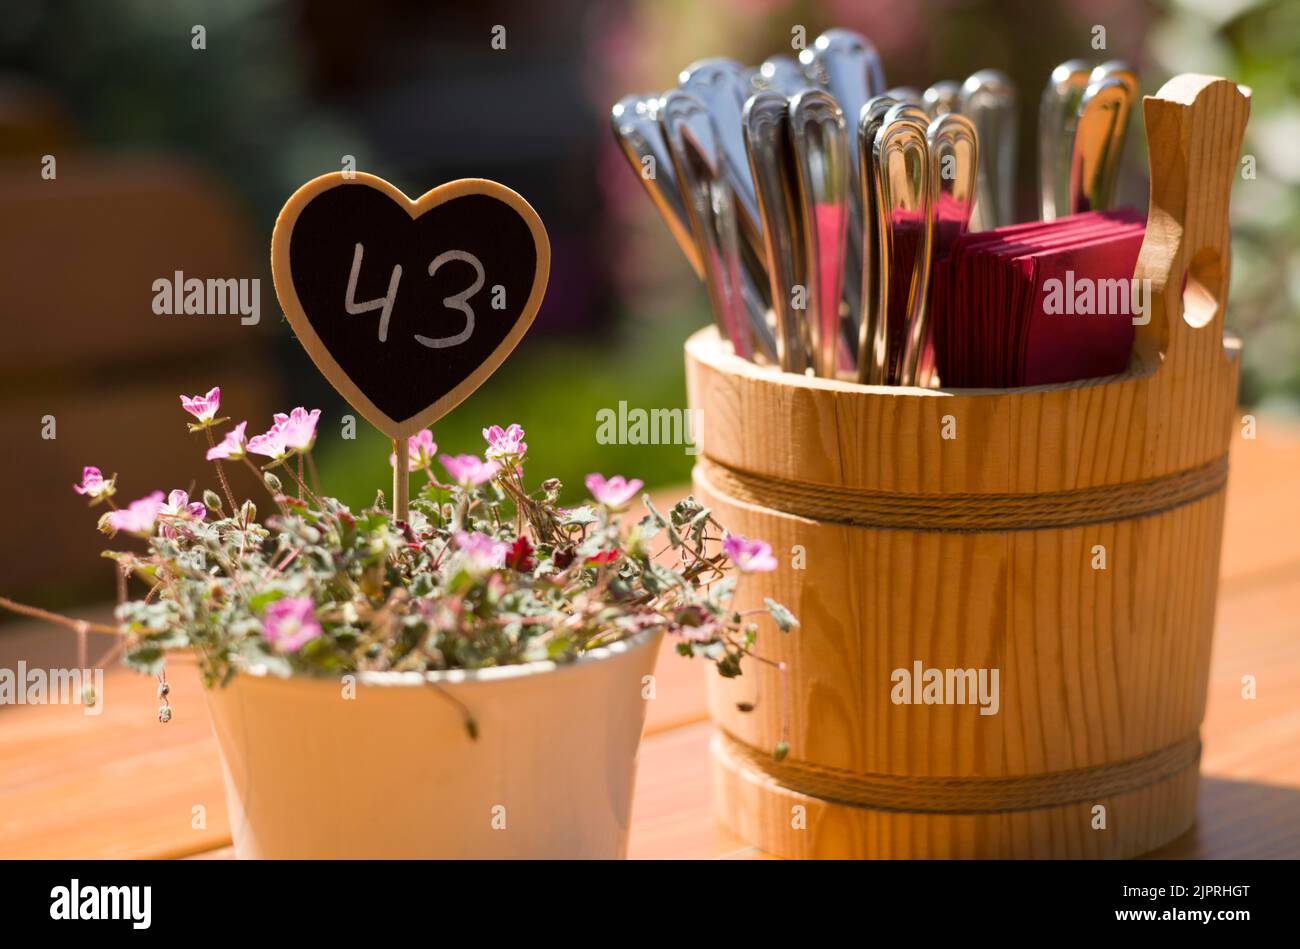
(248, 512)
(164, 690)
(212, 501)
(272, 482)
(164, 714)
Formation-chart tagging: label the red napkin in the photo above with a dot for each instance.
(1037, 303)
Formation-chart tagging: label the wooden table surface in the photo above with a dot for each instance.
(120, 785)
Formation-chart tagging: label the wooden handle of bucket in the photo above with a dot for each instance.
(1194, 127)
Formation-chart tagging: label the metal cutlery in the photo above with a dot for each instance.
(720, 84)
(819, 140)
(771, 162)
(1108, 173)
(1057, 114)
(954, 169)
(847, 65)
(942, 97)
(636, 126)
(871, 336)
(909, 94)
(697, 157)
(781, 74)
(905, 230)
(635, 120)
(813, 205)
(1104, 103)
(988, 99)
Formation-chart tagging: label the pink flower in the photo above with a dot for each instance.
(270, 443)
(480, 551)
(749, 556)
(203, 407)
(179, 508)
(93, 484)
(420, 449)
(615, 492)
(232, 446)
(290, 623)
(504, 444)
(469, 470)
(139, 516)
(298, 427)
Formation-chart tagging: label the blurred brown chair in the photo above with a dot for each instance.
(79, 255)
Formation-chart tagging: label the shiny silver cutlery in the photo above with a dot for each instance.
(771, 162)
(819, 140)
(954, 169)
(710, 202)
(988, 99)
(847, 65)
(909, 94)
(723, 85)
(720, 84)
(1109, 173)
(905, 232)
(636, 126)
(635, 120)
(1094, 163)
(781, 74)
(871, 338)
(942, 97)
(1057, 113)
(908, 110)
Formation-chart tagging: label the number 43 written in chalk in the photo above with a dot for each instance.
(457, 301)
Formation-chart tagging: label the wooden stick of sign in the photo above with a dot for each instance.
(401, 478)
(407, 306)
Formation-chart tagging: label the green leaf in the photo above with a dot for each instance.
(685, 510)
(146, 659)
(729, 666)
(657, 578)
(659, 519)
(785, 620)
(260, 601)
(699, 524)
(661, 522)
(580, 517)
(720, 593)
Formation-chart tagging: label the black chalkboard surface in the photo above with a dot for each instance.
(407, 306)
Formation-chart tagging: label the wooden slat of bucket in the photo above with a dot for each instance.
(1098, 667)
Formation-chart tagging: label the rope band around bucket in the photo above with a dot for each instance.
(965, 795)
(969, 513)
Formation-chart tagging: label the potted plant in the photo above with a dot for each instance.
(470, 682)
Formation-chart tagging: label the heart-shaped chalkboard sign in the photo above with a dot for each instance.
(408, 306)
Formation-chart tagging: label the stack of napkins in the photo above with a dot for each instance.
(1038, 303)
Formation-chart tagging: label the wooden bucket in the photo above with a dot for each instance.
(1068, 538)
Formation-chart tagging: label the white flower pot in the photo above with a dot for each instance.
(393, 773)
